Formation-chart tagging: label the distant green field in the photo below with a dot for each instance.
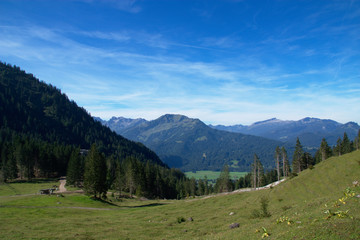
(212, 175)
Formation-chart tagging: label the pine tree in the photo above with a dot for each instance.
(257, 173)
(357, 141)
(254, 171)
(74, 173)
(286, 165)
(337, 148)
(223, 183)
(260, 174)
(119, 181)
(277, 159)
(297, 157)
(346, 145)
(325, 150)
(95, 173)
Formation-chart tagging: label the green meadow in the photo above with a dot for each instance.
(213, 175)
(320, 203)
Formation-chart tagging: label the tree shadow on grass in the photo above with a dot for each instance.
(138, 206)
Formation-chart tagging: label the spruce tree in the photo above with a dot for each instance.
(337, 148)
(74, 173)
(357, 141)
(285, 160)
(297, 157)
(223, 183)
(325, 150)
(277, 159)
(346, 145)
(95, 173)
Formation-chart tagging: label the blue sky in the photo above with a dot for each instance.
(224, 62)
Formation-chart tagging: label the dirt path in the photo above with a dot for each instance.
(62, 185)
(239, 191)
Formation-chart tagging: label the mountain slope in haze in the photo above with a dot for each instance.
(309, 130)
(40, 111)
(120, 124)
(189, 144)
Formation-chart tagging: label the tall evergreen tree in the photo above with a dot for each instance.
(95, 173)
(285, 161)
(297, 157)
(223, 183)
(346, 145)
(337, 148)
(277, 159)
(74, 173)
(325, 150)
(357, 141)
(254, 171)
(260, 174)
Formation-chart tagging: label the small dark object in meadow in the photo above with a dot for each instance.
(190, 219)
(234, 225)
(185, 230)
(180, 219)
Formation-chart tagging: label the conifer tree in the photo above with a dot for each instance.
(254, 171)
(337, 148)
(119, 182)
(297, 157)
(325, 150)
(223, 183)
(260, 174)
(346, 145)
(285, 160)
(95, 173)
(357, 141)
(277, 159)
(257, 173)
(74, 172)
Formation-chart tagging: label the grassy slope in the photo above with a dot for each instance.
(302, 199)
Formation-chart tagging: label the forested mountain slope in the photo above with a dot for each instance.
(34, 110)
(191, 145)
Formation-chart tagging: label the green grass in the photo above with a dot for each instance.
(21, 187)
(303, 199)
(213, 175)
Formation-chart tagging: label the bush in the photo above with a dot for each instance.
(180, 219)
(264, 207)
(263, 212)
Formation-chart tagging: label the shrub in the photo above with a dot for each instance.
(263, 212)
(180, 219)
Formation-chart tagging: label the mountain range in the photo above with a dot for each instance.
(309, 130)
(191, 145)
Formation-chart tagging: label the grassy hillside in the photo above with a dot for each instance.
(303, 199)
